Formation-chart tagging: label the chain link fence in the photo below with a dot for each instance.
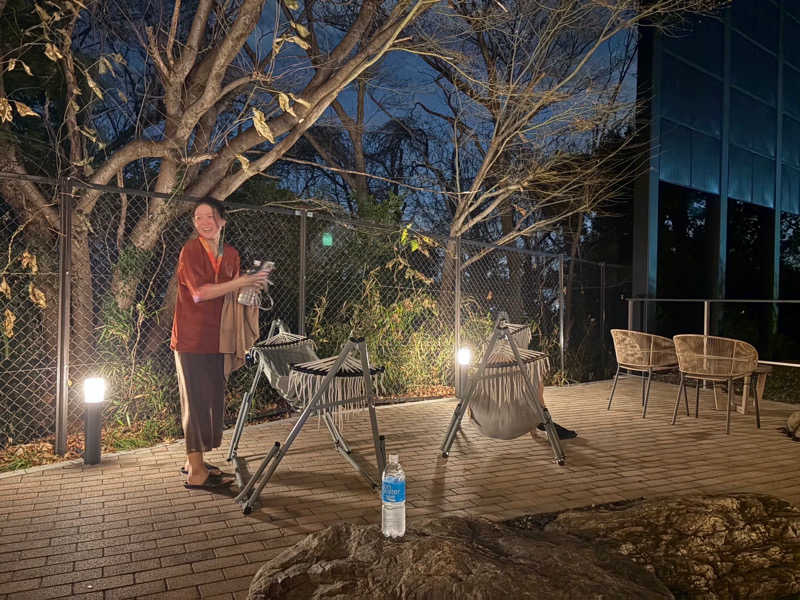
(395, 286)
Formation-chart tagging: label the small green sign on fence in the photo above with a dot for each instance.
(327, 239)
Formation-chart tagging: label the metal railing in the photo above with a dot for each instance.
(644, 320)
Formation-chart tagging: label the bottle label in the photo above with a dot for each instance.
(393, 490)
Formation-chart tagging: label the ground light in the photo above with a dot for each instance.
(94, 391)
(463, 358)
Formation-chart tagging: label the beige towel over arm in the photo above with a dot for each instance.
(238, 331)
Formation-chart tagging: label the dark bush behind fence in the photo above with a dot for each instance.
(70, 316)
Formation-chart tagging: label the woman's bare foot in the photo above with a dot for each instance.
(210, 469)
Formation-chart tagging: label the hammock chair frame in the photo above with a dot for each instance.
(502, 331)
(252, 488)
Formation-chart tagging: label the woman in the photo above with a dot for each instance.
(207, 270)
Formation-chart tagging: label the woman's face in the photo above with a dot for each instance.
(207, 222)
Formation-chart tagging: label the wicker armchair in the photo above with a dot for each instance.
(708, 358)
(644, 353)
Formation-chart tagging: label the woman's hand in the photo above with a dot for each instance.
(209, 291)
(257, 279)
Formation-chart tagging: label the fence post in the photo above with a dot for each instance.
(706, 317)
(457, 316)
(64, 297)
(603, 300)
(301, 284)
(604, 354)
(630, 314)
(561, 297)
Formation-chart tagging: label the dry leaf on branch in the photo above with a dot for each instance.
(37, 296)
(283, 100)
(29, 262)
(301, 29)
(8, 323)
(244, 162)
(260, 123)
(5, 110)
(52, 52)
(94, 87)
(24, 110)
(5, 289)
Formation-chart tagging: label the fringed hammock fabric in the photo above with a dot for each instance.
(500, 405)
(346, 389)
(521, 335)
(291, 365)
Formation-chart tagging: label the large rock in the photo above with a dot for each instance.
(450, 558)
(741, 546)
(709, 547)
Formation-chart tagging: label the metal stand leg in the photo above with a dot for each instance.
(501, 331)
(681, 388)
(643, 384)
(686, 400)
(461, 408)
(244, 411)
(696, 400)
(252, 490)
(730, 400)
(377, 440)
(755, 400)
(539, 409)
(647, 393)
(613, 388)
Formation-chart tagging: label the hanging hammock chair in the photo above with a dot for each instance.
(276, 355)
(292, 367)
(500, 406)
(504, 395)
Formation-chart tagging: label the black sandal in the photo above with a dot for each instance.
(209, 467)
(212, 482)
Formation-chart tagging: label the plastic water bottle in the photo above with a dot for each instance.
(250, 296)
(393, 498)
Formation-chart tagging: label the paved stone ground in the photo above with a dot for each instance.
(127, 528)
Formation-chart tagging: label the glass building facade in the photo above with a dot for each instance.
(722, 197)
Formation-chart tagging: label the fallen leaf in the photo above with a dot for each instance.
(5, 289)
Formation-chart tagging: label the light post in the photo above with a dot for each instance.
(94, 391)
(464, 358)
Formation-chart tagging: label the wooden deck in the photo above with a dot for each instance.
(127, 528)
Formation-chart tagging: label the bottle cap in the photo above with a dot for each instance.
(393, 458)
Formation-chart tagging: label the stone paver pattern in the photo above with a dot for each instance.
(127, 528)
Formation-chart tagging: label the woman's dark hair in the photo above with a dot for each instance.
(215, 205)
